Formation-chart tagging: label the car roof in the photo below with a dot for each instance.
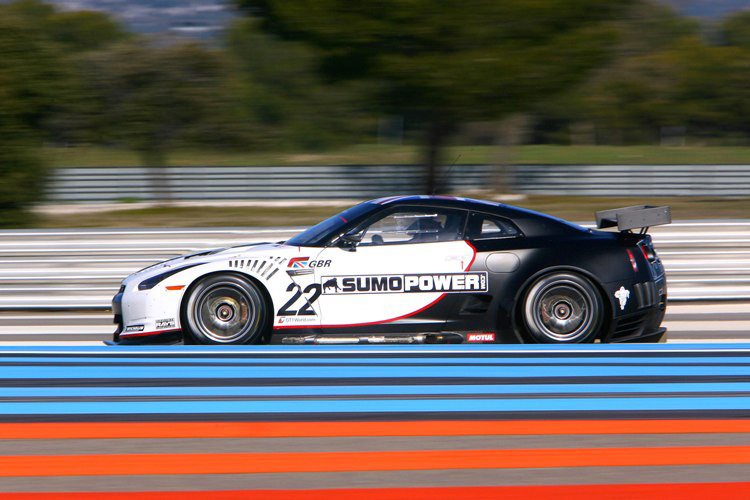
(533, 222)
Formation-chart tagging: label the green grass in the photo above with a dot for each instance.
(575, 208)
(388, 154)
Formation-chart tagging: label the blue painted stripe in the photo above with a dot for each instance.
(380, 406)
(116, 372)
(369, 390)
(380, 361)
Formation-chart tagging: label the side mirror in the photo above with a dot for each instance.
(349, 241)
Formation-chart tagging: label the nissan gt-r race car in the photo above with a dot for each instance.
(412, 269)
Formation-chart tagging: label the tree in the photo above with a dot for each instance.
(150, 98)
(443, 64)
(626, 100)
(58, 85)
(281, 98)
(28, 91)
(736, 29)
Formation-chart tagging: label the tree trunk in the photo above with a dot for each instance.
(436, 135)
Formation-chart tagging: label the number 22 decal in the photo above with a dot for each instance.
(306, 309)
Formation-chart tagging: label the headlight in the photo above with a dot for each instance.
(151, 282)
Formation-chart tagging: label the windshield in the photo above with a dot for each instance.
(319, 233)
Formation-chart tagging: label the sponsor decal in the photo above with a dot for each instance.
(296, 320)
(305, 262)
(299, 272)
(298, 262)
(623, 294)
(165, 323)
(480, 337)
(134, 328)
(301, 301)
(406, 283)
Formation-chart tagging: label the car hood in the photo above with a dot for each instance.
(219, 254)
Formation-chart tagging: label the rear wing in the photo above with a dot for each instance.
(642, 216)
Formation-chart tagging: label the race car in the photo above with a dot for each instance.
(412, 269)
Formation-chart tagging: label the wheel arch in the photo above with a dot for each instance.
(255, 281)
(609, 311)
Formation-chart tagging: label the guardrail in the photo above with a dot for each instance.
(632, 180)
(108, 184)
(81, 269)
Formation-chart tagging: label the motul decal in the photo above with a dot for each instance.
(480, 337)
(406, 283)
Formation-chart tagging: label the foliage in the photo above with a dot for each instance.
(27, 94)
(282, 99)
(150, 97)
(447, 64)
(736, 30)
(668, 80)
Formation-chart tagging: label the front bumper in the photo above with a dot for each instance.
(169, 337)
(144, 317)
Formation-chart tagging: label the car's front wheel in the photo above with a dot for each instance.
(562, 308)
(225, 309)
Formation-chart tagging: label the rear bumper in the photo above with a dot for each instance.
(641, 326)
(643, 313)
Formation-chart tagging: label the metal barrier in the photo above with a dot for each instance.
(81, 269)
(633, 180)
(108, 184)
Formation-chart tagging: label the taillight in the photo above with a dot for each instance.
(632, 261)
(648, 252)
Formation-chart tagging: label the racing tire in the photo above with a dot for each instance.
(562, 308)
(225, 309)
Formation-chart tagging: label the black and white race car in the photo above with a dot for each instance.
(412, 269)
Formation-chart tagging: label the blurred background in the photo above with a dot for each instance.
(161, 113)
(134, 131)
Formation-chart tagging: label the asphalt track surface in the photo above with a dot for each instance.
(482, 421)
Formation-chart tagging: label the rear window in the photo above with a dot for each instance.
(486, 227)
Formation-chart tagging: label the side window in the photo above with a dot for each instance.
(485, 227)
(415, 225)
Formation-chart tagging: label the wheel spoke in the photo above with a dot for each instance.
(224, 312)
(562, 308)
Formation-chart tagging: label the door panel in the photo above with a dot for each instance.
(388, 285)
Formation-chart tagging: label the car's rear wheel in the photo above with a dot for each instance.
(563, 308)
(225, 309)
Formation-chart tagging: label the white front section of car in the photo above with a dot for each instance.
(373, 284)
(157, 309)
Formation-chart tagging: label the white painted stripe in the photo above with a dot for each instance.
(12, 289)
(56, 329)
(709, 341)
(48, 333)
(50, 343)
(47, 317)
(709, 309)
(711, 326)
(155, 232)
